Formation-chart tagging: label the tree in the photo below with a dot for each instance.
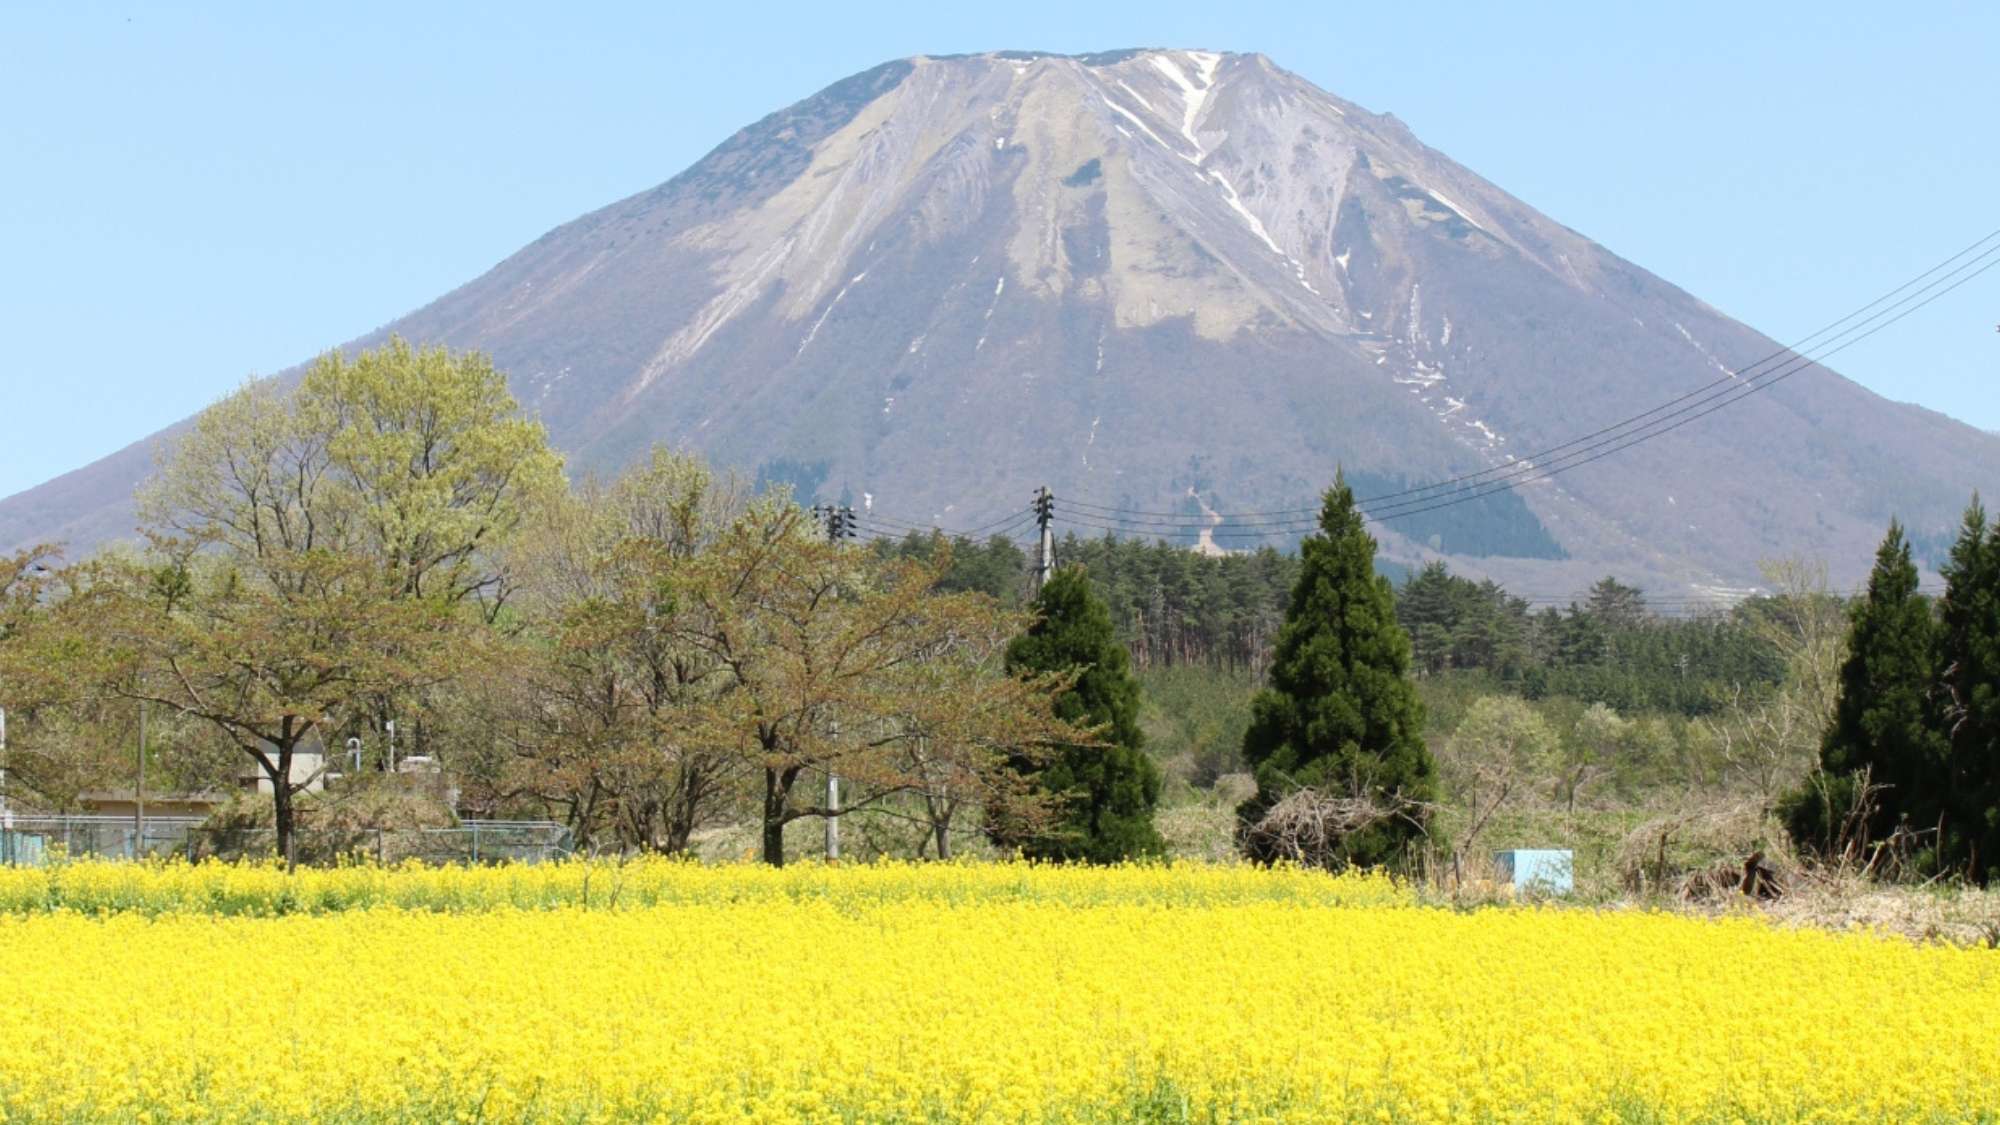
(1806, 624)
(316, 552)
(50, 756)
(1766, 743)
(1104, 790)
(1340, 714)
(958, 696)
(840, 660)
(23, 577)
(1591, 751)
(1616, 605)
(26, 586)
(272, 668)
(416, 458)
(601, 708)
(1455, 622)
(1500, 747)
(1428, 610)
(1967, 706)
(1882, 733)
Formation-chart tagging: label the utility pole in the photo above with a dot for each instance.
(840, 524)
(1045, 550)
(836, 520)
(6, 810)
(139, 791)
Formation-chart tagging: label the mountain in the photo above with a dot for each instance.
(1156, 280)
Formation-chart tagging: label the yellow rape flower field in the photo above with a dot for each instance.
(986, 992)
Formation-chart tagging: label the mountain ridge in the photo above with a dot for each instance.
(1155, 271)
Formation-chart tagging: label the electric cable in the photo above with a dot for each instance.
(1528, 470)
(1983, 256)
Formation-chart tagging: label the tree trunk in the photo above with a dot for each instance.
(777, 801)
(679, 831)
(684, 812)
(281, 810)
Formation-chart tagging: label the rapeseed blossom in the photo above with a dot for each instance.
(982, 992)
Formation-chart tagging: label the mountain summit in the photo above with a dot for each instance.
(1156, 280)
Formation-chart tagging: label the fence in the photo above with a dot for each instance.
(32, 841)
(29, 840)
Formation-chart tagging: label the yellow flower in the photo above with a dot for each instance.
(659, 990)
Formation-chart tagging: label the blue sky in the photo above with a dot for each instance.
(190, 195)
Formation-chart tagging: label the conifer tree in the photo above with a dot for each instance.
(1427, 609)
(1340, 714)
(1883, 725)
(1104, 793)
(1968, 704)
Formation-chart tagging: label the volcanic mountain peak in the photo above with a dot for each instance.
(1156, 279)
(1170, 183)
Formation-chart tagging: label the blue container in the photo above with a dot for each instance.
(1548, 871)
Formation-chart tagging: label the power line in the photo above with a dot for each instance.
(1735, 376)
(1977, 258)
(1529, 470)
(1984, 252)
(1654, 429)
(885, 521)
(1012, 522)
(1008, 521)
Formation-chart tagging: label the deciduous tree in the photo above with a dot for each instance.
(1498, 752)
(604, 708)
(833, 655)
(316, 550)
(271, 668)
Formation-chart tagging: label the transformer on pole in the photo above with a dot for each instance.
(1045, 549)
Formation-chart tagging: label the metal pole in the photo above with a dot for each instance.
(839, 525)
(139, 793)
(833, 807)
(6, 810)
(1045, 547)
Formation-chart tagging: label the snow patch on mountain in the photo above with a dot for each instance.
(1134, 119)
(1460, 211)
(1193, 97)
(828, 311)
(1705, 353)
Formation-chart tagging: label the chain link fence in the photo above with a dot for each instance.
(31, 841)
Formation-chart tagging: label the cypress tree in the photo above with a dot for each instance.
(1968, 706)
(1104, 794)
(1883, 722)
(1340, 713)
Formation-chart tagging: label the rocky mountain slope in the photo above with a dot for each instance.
(1157, 280)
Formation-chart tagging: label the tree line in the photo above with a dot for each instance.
(642, 658)
(673, 651)
(1174, 607)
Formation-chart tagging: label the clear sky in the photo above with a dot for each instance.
(193, 194)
